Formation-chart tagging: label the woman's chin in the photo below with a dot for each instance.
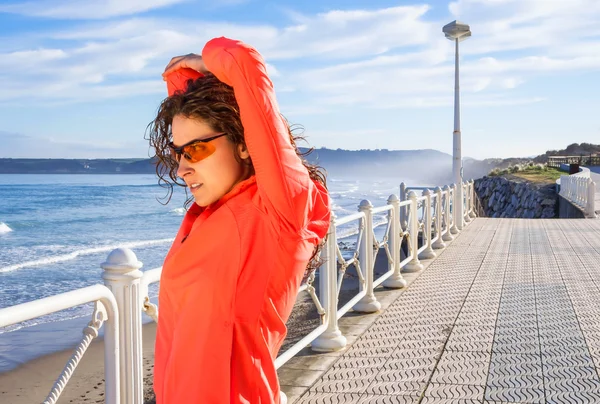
(202, 200)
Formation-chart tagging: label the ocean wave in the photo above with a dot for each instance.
(4, 228)
(347, 232)
(178, 211)
(87, 251)
(42, 320)
(341, 211)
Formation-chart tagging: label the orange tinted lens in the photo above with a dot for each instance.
(198, 151)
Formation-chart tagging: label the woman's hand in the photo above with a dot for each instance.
(191, 60)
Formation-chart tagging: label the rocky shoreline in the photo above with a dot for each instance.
(514, 198)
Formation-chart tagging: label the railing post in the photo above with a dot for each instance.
(439, 243)
(455, 220)
(465, 202)
(395, 281)
(332, 338)
(468, 202)
(369, 303)
(414, 265)
(428, 253)
(448, 236)
(122, 276)
(403, 223)
(563, 186)
(473, 198)
(591, 209)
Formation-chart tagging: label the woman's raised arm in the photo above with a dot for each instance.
(282, 180)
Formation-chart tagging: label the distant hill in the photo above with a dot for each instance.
(75, 166)
(574, 149)
(480, 168)
(422, 165)
(412, 166)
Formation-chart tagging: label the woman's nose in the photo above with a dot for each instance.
(184, 167)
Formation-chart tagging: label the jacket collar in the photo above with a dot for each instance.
(238, 188)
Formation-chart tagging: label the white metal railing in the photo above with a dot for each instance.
(580, 190)
(430, 217)
(105, 311)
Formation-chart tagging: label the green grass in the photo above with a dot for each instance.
(549, 175)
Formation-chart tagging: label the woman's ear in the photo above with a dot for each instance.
(243, 151)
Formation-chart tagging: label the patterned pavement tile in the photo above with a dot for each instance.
(516, 381)
(395, 399)
(529, 395)
(570, 372)
(572, 397)
(507, 313)
(313, 397)
(454, 391)
(475, 376)
(396, 388)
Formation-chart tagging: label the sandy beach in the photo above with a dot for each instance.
(32, 381)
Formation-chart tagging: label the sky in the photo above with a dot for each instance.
(82, 79)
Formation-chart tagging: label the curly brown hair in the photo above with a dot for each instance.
(213, 102)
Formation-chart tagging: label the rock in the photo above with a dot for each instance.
(502, 198)
(491, 201)
(548, 212)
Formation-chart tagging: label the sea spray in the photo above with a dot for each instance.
(74, 254)
(4, 228)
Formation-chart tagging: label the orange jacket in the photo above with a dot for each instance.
(228, 290)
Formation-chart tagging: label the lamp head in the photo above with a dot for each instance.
(456, 30)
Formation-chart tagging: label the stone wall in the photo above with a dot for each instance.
(515, 198)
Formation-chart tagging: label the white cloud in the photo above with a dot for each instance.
(85, 10)
(394, 57)
(19, 145)
(548, 26)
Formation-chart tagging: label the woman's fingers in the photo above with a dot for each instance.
(173, 61)
(190, 60)
(174, 64)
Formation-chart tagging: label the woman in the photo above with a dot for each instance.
(230, 279)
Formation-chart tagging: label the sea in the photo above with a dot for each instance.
(56, 231)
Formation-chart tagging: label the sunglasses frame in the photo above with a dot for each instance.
(179, 151)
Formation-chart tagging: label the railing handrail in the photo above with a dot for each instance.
(62, 301)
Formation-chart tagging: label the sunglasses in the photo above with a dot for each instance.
(195, 150)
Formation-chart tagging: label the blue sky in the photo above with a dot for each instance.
(81, 79)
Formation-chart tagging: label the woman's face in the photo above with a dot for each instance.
(213, 177)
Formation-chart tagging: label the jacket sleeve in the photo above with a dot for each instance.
(282, 179)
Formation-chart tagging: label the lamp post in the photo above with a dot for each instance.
(457, 32)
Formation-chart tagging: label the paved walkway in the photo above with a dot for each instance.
(508, 313)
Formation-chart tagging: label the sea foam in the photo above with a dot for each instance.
(87, 251)
(4, 228)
